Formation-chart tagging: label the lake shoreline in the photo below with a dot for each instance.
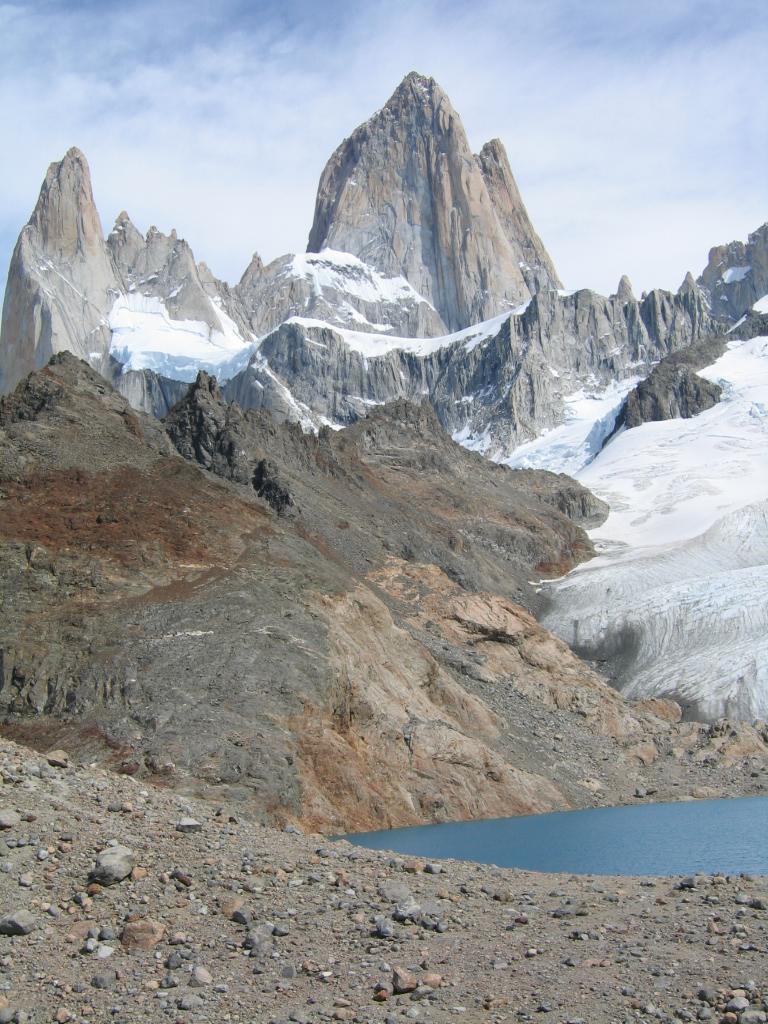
(664, 839)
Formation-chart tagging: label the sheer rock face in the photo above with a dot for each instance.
(736, 275)
(533, 259)
(405, 194)
(61, 283)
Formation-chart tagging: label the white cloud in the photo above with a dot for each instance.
(639, 135)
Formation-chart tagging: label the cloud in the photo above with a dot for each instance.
(638, 133)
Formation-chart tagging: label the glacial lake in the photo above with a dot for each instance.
(708, 836)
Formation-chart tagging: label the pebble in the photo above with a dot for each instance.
(188, 825)
(112, 865)
(21, 922)
(403, 981)
(144, 933)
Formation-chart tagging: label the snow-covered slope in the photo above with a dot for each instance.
(589, 416)
(372, 345)
(677, 603)
(146, 337)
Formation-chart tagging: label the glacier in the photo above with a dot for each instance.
(676, 603)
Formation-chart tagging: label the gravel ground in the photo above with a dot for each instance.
(210, 918)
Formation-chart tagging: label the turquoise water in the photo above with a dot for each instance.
(730, 836)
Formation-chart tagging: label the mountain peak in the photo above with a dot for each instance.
(405, 194)
(527, 248)
(415, 83)
(63, 239)
(75, 155)
(65, 215)
(624, 292)
(416, 78)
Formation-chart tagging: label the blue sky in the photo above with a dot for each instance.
(638, 132)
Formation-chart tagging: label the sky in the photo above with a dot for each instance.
(638, 132)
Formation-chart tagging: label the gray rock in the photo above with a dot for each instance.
(383, 929)
(737, 1004)
(736, 275)
(9, 819)
(188, 825)
(20, 922)
(113, 865)
(104, 980)
(190, 1002)
(673, 390)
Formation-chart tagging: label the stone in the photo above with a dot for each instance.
(403, 981)
(230, 905)
(190, 1002)
(113, 864)
(737, 1004)
(104, 980)
(144, 933)
(9, 819)
(58, 759)
(21, 922)
(188, 825)
(200, 977)
(707, 995)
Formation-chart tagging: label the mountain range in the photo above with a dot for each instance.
(423, 277)
(331, 550)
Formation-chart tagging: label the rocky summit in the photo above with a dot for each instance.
(405, 194)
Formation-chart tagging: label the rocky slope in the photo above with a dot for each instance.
(200, 915)
(736, 275)
(673, 389)
(492, 386)
(327, 630)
